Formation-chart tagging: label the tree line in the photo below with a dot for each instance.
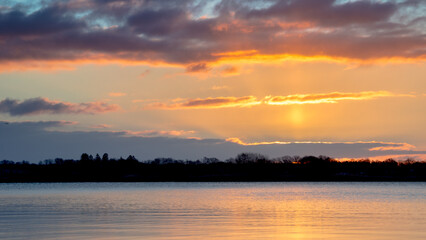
(243, 167)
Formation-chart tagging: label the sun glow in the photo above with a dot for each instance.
(296, 116)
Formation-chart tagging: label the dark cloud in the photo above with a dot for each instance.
(33, 141)
(157, 22)
(177, 31)
(49, 20)
(13, 127)
(197, 67)
(35, 106)
(327, 12)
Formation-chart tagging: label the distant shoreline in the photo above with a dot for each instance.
(246, 167)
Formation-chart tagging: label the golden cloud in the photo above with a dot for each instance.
(248, 101)
(157, 133)
(199, 103)
(384, 146)
(394, 147)
(333, 97)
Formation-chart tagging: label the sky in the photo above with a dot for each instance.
(191, 78)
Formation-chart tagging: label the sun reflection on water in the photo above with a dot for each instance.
(213, 211)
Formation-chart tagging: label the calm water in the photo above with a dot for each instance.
(213, 211)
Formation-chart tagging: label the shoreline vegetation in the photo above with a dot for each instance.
(245, 167)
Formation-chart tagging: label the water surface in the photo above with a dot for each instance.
(213, 211)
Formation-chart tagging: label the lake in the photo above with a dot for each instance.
(281, 210)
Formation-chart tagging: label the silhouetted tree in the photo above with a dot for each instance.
(285, 159)
(207, 160)
(131, 158)
(7, 162)
(59, 161)
(84, 157)
(317, 161)
(105, 157)
(244, 158)
(48, 162)
(244, 167)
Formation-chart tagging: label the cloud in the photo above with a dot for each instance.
(380, 146)
(48, 20)
(173, 32)
(197, 67)
(101, 126)
(117, 94)
(369, 149)
(248, 101)
(36, 141)
(327, 12)
(34, 106)
(199, 103)
(35, 125)
(161, 22)
(157, 133)
(333, 97)
(240, 142)
(394, 146)
(230, 71)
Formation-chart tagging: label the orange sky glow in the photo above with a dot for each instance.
(347, 80)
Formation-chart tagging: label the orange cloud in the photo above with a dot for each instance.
(351, 31)
(333, 97)
(230, 71)
(197, 67)
(394, 147)
(218, 102)
(385, 146)
(233, 54)
(240, 142)
(248, 101)
(154, 133)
